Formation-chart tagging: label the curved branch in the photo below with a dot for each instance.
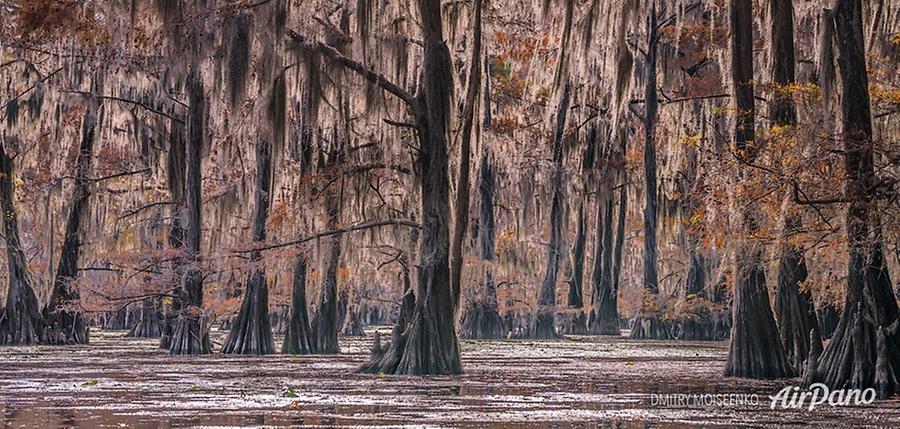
(351, 228)
(359, 68)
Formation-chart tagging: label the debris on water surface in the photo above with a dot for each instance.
(594, 381)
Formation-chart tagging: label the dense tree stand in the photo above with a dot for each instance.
(865, 348)
(297, 338)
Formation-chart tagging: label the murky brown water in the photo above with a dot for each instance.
(582, 382)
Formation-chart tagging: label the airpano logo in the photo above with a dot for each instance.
(819, 394)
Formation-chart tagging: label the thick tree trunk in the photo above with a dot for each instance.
(20, 321)
(148, 325)
(429, 344)
(65, 325)
(175, 177)
(461, 214)
(189, 332)
(298, 338)
(482, 319)
(793, 307)
(576, 281)
(325, 324)
(865, 349)
(755, 350)
(619, 246)
(603, 318)
(251, 332)
(543, 323)
(647, 323)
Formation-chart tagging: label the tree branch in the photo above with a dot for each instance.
(351, 228)
(359, 68)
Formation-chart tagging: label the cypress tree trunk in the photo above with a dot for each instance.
(603, 319)
(429, 344)
(482, 319)
(65, 325)
(865, 349)
(576, 282)
(148, 326)
(20, 321)
(251, 332)
(793, 307)
(175, 177)
(190, 335)
(297, 338)
(647, 323)
(755, 351)
(325, 324)
(461, 215)
(619, 246)
(543, 323)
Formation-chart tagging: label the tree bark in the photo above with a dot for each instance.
(543, 323)
(190, 335)
(647, 323)
(755, 350)
(325, 324)
(429, 344)
(603, 318)
(865, 348)
(794, 308)
(297, 338)
(461, 215)
(251, 332)
(20, 321)
(576, 281)
(482, 319)
(66, 325)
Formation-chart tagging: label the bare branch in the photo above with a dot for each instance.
(351, 228)
(354, 65)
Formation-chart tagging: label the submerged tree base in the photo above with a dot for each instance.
(251, 333)
(540, 325)
(66, 328)
(149, 325)
(189, 336)
(650, 326)
(20, 321)
(575, 324)
(482, 321)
